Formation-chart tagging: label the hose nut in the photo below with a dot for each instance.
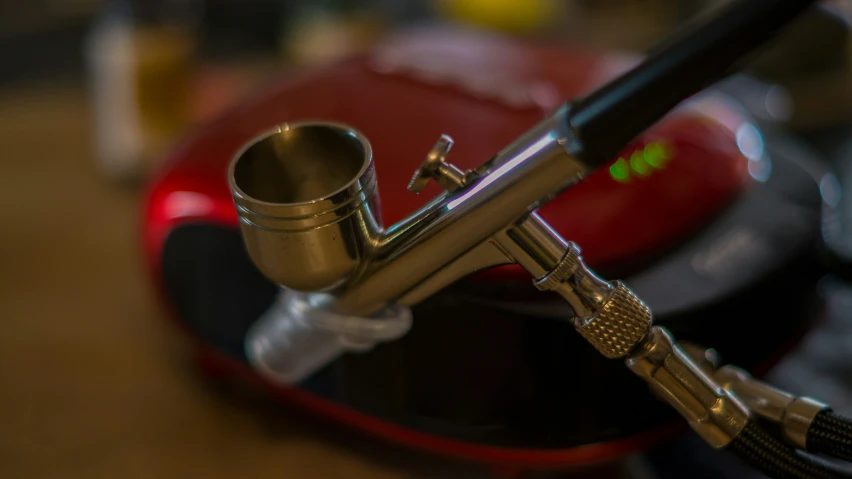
(714, 413)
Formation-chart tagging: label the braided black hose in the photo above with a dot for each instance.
(831, 434)
(777, 460)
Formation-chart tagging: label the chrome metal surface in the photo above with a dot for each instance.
(504, 190)
(608, 315)
(765, 400)
(484, 255)
(533, 244)
(618, 326)
(435, 167)
(713, 413)
(798, 417)
(707, 359)
(793, 414)
(530, 243)
(587, 294)
(305, 194)
(306, 197)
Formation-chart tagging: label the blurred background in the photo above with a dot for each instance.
(93, 94)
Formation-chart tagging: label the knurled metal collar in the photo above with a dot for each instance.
(620, 326)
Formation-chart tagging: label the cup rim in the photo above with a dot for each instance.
(266, 134)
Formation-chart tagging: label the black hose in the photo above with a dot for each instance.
(831, 434)
(687, 62)
(775, 459)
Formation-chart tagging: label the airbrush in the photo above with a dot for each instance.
(306, 194)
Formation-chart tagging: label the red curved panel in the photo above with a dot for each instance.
(483, 95)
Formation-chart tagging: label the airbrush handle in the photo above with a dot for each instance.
(684, 64)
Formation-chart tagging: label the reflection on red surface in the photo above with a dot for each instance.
(216, 364)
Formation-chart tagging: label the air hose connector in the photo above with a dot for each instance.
(609, 316)
(793, 414)
(619, 325)
(712, 412)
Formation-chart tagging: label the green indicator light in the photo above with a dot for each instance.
(656, 155)
(637, 162)
(620, 171)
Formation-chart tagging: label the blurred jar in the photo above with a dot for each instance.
(140, 56)
(323, 31)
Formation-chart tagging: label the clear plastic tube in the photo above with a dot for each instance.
(294, 338)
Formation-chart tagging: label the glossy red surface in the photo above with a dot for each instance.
(483, 101)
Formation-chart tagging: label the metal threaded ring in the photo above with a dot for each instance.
(620, 325)
(569, 262)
